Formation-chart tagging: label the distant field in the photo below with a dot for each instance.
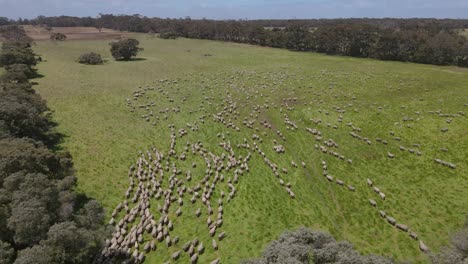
(104, 137)
(73, 33)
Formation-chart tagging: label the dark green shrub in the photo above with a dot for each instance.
(305, 246)
(14, 34)
(16, 54)
(58, 36)
(22, 68)
(7, 253)
(14, 77)
(90, 58)
(168, 35)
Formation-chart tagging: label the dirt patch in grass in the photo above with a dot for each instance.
(39, 33)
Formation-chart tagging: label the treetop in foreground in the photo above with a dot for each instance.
(305, 246)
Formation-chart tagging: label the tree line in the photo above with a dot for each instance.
(140, 23)
(43, 220)
(429, 41)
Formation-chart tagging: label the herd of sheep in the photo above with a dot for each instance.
(160, 185)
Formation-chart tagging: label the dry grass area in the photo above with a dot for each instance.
(39, 33)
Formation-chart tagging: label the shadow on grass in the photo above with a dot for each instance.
(133, 60)
(52, 138)
(54, 141)
(38, 76)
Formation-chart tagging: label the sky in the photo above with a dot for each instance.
(238, 9)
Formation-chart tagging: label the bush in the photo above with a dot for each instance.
(14, 77)
(16, 34)
(168, 35)
(90, 58)
(58, 36)
(305, 246)
(37, 254)
(457, 252)
(24, 114)
(21, 68)
(125, 49)
(16, 54)
(7, 253)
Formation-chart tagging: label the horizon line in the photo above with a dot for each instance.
(244, 19)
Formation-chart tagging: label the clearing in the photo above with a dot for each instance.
(198, 84)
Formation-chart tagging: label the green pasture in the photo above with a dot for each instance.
(104, 138)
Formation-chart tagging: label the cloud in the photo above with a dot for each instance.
(228, 9)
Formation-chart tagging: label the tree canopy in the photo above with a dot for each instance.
(42, 219)
(305, 246)
(125, 49)
(421, 40)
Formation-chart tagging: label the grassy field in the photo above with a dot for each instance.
(104, 137)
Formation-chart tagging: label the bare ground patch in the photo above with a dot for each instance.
(39, 33)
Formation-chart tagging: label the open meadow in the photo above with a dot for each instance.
(351, 119)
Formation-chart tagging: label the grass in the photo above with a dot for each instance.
(105, 138)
